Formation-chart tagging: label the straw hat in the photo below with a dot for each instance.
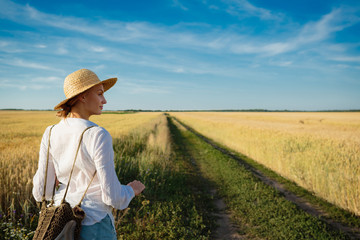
(80, 81)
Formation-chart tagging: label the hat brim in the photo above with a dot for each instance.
(108, 83)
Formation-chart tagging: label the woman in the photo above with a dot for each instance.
(84, 97)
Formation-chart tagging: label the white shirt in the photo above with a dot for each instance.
(96, 152)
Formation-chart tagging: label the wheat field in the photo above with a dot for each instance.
(318, 151)
(20, 137)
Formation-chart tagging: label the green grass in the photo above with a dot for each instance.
(260, 210)
(169, 208)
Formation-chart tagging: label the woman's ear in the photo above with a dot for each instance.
(82, 97)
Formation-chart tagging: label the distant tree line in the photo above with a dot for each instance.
(221, 110)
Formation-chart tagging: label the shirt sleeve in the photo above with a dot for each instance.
(113, 193)
(39, 178)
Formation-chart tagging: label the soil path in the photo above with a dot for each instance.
(352, 232)
(226, 228)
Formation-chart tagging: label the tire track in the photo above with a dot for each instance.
(225, 229)
(352, 232)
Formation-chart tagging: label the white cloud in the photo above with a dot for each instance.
(343, 66)
(355, 59)
(335, 21)
(49, 79)
(143, 87)
(99, 67)
(243, 8)
(97, 49)
(30, 80)
(40, 46)
(213, 7)
(4, 44)
(310, 33)
(177, 3)
(62, 51)
(10, 47)
(26, 64)
(23, 86)
(179, 70)
(282, 63)
(148, 34)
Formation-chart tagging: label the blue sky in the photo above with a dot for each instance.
(184, 54)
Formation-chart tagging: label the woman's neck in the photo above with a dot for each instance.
(76, 113)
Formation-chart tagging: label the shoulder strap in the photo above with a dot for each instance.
(82, 198)
(72, 169)
(47, 164)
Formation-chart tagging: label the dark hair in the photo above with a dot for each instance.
(66, 107)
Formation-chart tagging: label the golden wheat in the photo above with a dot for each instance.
(319, 151)
(20, 137)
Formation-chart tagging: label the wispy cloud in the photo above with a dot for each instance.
(110, 30)
(10, 47)
(310, 33)
(98, 49)
(243, 8)
(62, 50)
(177, 3)
(138, 87)
(40, 46)
(26, 64)
(115, 31)
(355, 59)
(5, 83)
(49, 79)
(143, 33)
(335, 21)
(282, 63)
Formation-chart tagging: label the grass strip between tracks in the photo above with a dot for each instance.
(257, 208)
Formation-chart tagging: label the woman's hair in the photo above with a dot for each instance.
(66, 108)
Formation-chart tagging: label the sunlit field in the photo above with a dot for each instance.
(20, 137)
(142, 150)
(318, 151)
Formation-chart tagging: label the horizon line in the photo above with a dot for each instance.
(198, 110)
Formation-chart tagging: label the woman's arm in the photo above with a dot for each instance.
(113, 193)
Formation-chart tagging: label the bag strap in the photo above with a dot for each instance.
(72, 169)
(82, 198)
(47, 164)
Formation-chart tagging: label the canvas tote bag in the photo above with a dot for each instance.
(63, 221)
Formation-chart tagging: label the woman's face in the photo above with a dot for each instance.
(94, 100)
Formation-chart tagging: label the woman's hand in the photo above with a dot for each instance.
(137, 186)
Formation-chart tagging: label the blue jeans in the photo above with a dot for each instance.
(103, 230)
